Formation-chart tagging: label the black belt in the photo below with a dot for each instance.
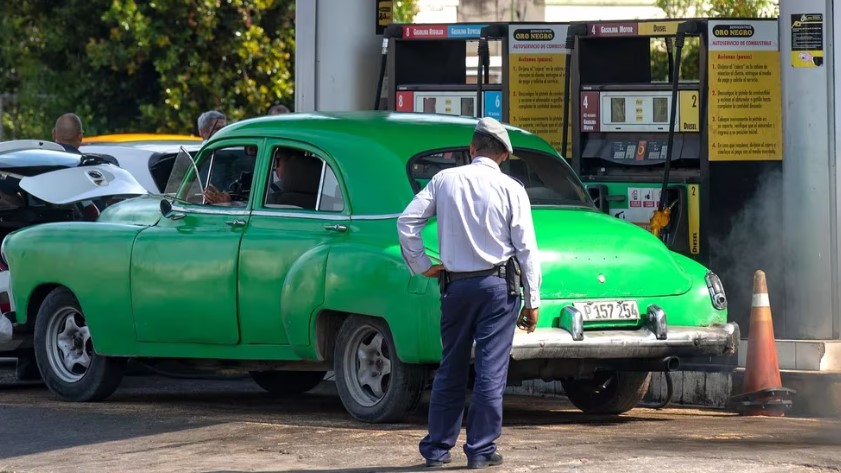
(495, 271)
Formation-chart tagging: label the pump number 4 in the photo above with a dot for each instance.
(603, 311)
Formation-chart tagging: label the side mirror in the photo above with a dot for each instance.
(166, 211)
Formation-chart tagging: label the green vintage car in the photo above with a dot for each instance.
(290, 280)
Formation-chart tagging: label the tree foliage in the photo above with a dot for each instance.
(743, 8)
(126, 65)
(405, 11)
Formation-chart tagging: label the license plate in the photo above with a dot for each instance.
(608, 310)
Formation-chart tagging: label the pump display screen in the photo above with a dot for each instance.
(661, 110)
(634, 111)
(617, 109)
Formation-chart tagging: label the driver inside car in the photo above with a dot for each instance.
(237, 192)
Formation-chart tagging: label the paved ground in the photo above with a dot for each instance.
(155, 424)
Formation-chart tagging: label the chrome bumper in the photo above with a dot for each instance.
(642, 343)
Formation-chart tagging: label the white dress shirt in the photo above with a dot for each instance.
(484, 218)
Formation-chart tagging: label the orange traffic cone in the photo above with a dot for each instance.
(763, 391)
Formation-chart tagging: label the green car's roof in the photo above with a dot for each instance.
(371, 149)
(404, 133)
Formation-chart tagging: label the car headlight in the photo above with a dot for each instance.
(716, 288)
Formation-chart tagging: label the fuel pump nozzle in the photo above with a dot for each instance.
(661, 217)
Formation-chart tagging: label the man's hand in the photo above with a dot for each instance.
(214, 196)
(527, 320)
(434, 271)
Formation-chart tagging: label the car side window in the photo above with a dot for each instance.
(301, 180)
(226, 176)
(331, 199)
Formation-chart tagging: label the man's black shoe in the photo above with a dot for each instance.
(438, 463)
(493, 460)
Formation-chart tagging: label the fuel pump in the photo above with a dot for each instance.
(427, 69)
(682, 156)
(676, 155)
(621, 145)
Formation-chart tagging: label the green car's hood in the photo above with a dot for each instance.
(577, 246)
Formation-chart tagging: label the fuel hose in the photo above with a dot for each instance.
(391, 31)
(572, 32)
(660, 219)
(483, 63)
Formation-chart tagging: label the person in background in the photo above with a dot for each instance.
(278, 109)
(68, 132)
(210, 122)
(488, 250)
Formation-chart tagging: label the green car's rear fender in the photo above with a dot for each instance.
(367, 276)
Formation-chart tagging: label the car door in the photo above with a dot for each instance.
(284, 250)
(184, 269)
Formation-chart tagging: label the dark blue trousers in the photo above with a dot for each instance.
(477, 309)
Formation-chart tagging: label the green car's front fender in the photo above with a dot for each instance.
(40, 257)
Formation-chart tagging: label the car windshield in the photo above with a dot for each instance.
(547, 179)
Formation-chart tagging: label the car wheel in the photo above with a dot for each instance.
(285, 383)
(373, 384)
(609, 392)
(66, 357)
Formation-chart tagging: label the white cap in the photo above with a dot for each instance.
(489, 126)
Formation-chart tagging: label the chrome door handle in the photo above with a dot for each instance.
(335, 228)
(238, 222)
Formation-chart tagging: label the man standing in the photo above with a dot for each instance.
(68, 132)
(484, 229)
(210, 122)
(278, 109)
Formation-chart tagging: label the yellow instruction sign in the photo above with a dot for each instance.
(536, 68)
(745, 113)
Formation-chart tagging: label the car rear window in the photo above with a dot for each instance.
(547, 179)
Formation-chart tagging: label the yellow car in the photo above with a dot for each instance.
(140, 138)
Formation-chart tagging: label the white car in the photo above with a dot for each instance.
(149, 162)
(40, 183)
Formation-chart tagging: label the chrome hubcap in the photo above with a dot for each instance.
(69, 346)
(369, 371)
